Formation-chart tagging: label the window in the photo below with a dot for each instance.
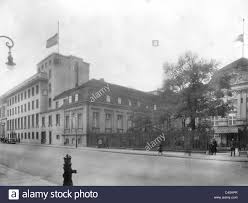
(37, 103)
(37, 89)
(21, 108)
(95, 120)
(15, 99)
(119, 100)
(43, 121)
(21, 96)
(57, 119)
(120, 123)
(108, 123)
(25, 107)
(28, 106)
(28, 93)
(22, 136)
(21, 122)
(155, 107)
(57, 104)
(18, 98)
(70, 99)
(28, 122)
(57, 137)
(129, 122)
(107, 98)
(32, 105)
(37, 120)
(49, 102)
(18, 109)
(241, 100)
(50, 120)
(25, 136)
(67, 122)
(25, 95)
(76, 97)
(129, 102)
(50, 62)
(49, 88)
(37, 135)
(33, 121)
(138, 103)
(32, 135)
(32, 91)
(15, 110)
(79, 121)
(25, 123)
(28, 135)
(50, 74)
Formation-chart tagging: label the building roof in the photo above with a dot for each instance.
(27, 82)
(242, 62)
(125, 91)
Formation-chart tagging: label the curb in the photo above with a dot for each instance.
(136, 153)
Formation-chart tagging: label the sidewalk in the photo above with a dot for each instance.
(12, 177)
(201, 156)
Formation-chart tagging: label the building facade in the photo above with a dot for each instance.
(234, 126)
(59, 105)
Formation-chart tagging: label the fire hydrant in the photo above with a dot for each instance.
(68, 171)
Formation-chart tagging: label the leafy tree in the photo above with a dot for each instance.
(191, 91)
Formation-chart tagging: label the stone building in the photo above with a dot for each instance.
(234, 126)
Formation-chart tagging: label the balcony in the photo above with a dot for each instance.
(226, 122)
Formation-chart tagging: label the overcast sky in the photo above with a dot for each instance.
(115, 36)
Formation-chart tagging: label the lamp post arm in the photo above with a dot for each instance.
(9, 43)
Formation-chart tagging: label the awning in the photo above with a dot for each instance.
(230, 129)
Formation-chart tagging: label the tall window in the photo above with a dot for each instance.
(76, 97)
(21, 96)
(129, 102)
(57, 119)
(37, 120)
(25, 123)
(50, 74)
(37, 89)
(95, 120)
(28, 122)
(32, 105)
(119, 123)
(50, 120)
(70, 99)
(43, 121)
(37, 103)
(28, 93)
(49, 88)
(32, 91)
(129, 122)
(119, 100)
(108, 123)
(79, 121)
(49, 102)
(57, 104)
(67, 122)
(25, 95)
(28, 106)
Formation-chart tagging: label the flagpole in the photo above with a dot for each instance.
(58, 37)
(243, 45)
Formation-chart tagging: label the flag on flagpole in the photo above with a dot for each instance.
(240, 38)
(52, 41)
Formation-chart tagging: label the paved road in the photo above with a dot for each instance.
(104, 168)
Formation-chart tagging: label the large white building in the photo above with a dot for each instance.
(24, 103)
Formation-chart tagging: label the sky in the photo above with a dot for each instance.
(115, 36)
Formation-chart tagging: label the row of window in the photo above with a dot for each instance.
(50, 121)
(109, 122)
(23, 95)
(26, 122)
(23, 108)
(28, 135)
(76, 121)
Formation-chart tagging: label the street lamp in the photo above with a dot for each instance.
(10, 63)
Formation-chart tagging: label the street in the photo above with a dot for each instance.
(42, 165)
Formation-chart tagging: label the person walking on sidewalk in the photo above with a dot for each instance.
(214, 146)
(160, 149)
(232, 145)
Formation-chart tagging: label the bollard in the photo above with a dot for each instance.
(68, 171)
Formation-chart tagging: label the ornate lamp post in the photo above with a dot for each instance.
(9, 44)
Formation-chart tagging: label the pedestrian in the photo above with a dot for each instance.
(214, 146)
(160, 149)
(232, 145)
